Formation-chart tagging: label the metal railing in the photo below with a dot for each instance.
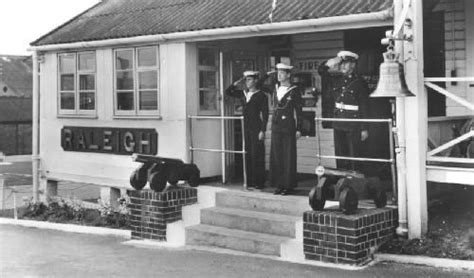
(431, 155)
(192, 149)
(393, 142)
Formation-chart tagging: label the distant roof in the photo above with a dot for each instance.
(15, 109)
(15, 76)
(112, 19)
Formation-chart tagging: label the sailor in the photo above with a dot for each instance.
(350, 95)
(255, 112)
(286, 127)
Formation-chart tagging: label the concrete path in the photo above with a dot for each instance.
(29, 252)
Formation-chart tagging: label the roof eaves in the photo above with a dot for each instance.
(34, 43)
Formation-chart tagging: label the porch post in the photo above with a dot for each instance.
(417, 127)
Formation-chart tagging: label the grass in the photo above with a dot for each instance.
(450, 224)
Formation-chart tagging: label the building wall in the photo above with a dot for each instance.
(317, 47)
(458, 50)
(110, 168)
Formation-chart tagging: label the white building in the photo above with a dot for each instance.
(124, 76)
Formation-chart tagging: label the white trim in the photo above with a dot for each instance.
(67, 227)
(353, 21)
(450, 95)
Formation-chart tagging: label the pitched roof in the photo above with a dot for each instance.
(15, 109)
(16, 76)
(112, 19)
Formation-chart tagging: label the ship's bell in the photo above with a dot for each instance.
(392, 78)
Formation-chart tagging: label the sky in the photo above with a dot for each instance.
(23, 21)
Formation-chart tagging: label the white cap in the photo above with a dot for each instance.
(347, 55)
(281, 66)
(251, 73)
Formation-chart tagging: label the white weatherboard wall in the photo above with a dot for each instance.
(112, 169)
(206, 133)
(456, 46)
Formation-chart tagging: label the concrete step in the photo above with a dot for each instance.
(253, 221)
(245, 241)
(263, 202)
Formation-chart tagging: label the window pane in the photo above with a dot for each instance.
(124, 59)
(125, 101)
(148, 80)
(87, 61)
(208, 100)
(67, 63)
(207, 57)
(67, 101)
(207, 79)
(86, 82)
(87, 101)
(148, 100)
(125, 80)
(67, 82)
(147, 57)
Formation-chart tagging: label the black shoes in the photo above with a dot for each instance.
(279, 191)
(287, 191)
(284, 191)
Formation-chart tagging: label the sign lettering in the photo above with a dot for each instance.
(109, 140)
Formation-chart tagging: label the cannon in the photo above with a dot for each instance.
(160, 170)
(346, 187)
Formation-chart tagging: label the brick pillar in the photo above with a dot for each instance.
(331, 236)
(151, 211)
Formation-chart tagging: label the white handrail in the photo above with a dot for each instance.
(450, 95)
(449, 79)
(451, 143)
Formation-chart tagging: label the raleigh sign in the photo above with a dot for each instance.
(109, 140)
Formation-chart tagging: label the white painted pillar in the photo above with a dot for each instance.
(416, 128)
(402, 229)
(35, 128)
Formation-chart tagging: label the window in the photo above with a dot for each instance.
(208, 82)
(136, 81)
(77, 83)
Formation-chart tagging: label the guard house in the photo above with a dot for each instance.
(124, 77)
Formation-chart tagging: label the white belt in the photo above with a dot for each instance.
(347, 106)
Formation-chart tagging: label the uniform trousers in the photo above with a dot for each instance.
(348, 143)
(283, 160)
(254, 159)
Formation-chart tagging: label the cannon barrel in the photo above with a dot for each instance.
(143, 158)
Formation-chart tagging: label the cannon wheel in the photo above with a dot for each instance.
(173, 176)
(138, 178)
(195, 175)
(380, 198)
(314, 202)
(158, 181)
(348, 200)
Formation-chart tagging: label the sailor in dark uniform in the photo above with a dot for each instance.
(350, 96)
(286, 126)
(255, 112)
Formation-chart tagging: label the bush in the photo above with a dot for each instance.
(63, 210)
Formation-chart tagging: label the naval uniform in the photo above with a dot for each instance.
(283, 143)
(350, 96)
(255, 112)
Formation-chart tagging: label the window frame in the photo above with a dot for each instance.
(77, 73)
(136, 112)
(204, 68)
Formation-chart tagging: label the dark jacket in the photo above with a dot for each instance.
(255, 111)
(347, 90)
(284, 112)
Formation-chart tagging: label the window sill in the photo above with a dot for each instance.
(80, 116)
(140, 117)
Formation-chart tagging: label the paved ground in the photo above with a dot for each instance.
(29, 252)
